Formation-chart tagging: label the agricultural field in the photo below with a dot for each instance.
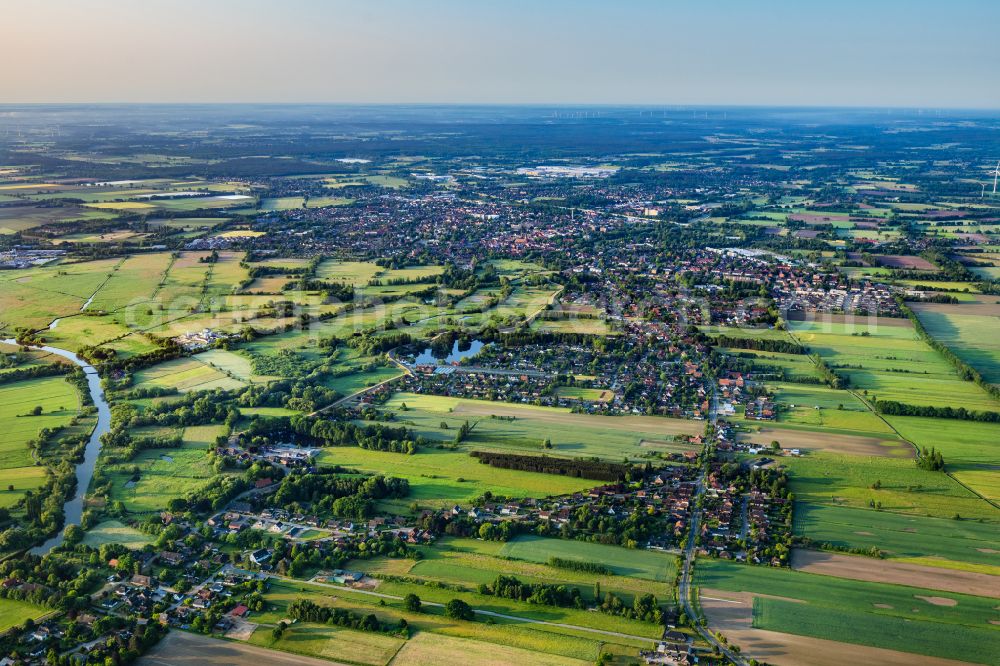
(428, 649)
(337, 643)
(441, 477)
(893, 617)
(357, 273)
(848, 480)
(873, 570)
(942, 542)
(541, 642)
(890, 363)
(470, 562)
(827, 409)
(969, 448)
(968, 330)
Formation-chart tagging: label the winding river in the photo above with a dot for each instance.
(73, 508)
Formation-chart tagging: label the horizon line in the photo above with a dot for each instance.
(608, 105)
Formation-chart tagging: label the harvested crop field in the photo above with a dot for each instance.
(731, 613)
(426, 649)
(180, 648)
(906, 261)
(902, 573)
(825, 441)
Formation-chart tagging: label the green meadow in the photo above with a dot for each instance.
(839, 480)
(60, 403)
(524, 428)
(539, 643)
(443, 477)
(648, 564)
(164, 474)
(972, 337)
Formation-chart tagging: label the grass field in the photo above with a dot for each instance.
(338, 643)
(14, 613)
(230, 363)
(971, 336)
(442, 477)
(647, 564)
(185, 374)
(571, 434)
(826, 408)
(357, 273)
(547, 642)
(134, 280)
(426, 649)
(165, 473)
(896, 617)
(827, 478)
(60, 402)
(112, 531)
(969, 448)
(470, 562)
(35, 297)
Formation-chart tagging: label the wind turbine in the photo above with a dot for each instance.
(996, 174)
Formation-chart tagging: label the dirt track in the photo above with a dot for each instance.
(181, 648)
(732, 614)
(901, 573)
(637, 424)
(823, 441)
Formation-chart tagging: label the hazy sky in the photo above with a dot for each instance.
(941, 53)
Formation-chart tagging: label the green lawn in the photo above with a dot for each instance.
(14, 613)
(112, 531)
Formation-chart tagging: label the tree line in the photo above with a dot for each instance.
(581, 468)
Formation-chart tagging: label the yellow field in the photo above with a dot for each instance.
(426, 649)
